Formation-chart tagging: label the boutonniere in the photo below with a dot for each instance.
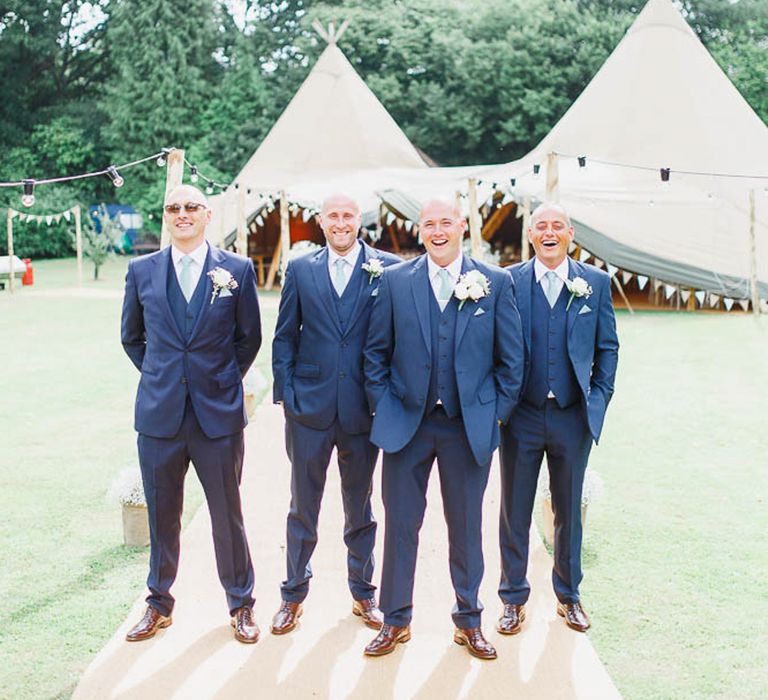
(578, 287)
(472, 285)
(221, 279)
(374, 268)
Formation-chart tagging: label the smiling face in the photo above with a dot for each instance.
(186, 227)
(550, 234)
(442, 229)
(340, 221)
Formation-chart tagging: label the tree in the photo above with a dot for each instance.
(99, 246)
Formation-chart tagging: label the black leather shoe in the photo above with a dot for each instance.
(574, 615)
(477, 645)
(147, 627)
(511, 620)
(369, 612)
(246, 629)
(286, 618)
(387, 639)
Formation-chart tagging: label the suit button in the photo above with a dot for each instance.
(344, 345)
(342, 375)
(183, 380)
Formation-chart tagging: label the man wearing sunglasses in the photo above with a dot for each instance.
(191, 325)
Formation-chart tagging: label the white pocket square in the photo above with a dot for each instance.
(225, 293)
(375, 292)
(479, 312)
(584, 310)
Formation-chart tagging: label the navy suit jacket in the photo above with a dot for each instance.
(209, 365)
(317, 366)
(398, 356)
(593, 345)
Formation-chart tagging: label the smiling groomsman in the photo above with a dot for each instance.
(443, 365)
(317, 362)
(571, 353)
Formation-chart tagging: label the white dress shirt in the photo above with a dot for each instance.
(540, 269)
(196, 267)
(350, 259)
(454, 271)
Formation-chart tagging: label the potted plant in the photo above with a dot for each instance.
(127, 490)
(591, 491)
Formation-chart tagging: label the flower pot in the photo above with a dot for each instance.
(250, 405)
(135, 526)
(548, 518)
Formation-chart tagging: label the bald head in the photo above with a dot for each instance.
(550, 208)
(186, 193)
(439, 207)
(340, 220)
(339, 199)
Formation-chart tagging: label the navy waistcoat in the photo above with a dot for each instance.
(550, 367)
(185, 314)
(442, 376)
(345, 303)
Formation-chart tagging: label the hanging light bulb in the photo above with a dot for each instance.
(664, 174)
(162, 158)
(193, 176)
(512, 181)
(536, 168)
(582, 161)
(28, 198)
(209, 189)
(115, 176)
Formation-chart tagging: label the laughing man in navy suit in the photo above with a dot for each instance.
(191, 326)
(443, 365)
(571, 353)
(317, 362)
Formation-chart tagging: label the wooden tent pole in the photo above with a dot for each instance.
(78, 244)
(285, 233)
(525, 250)
(755, 293)
(174, 174)
(10, 251)
(474, 229)
(273, 266)
(553, 178)
(241, 242)
(620, 287)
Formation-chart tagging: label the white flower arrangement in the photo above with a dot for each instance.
(591, 490)
(578, 287)
(472, 285)
(375, 268)
(127, 488)
(221, 279)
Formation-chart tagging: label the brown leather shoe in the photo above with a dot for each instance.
(246, 629)
(511, 620)
(147, 627)
(387, 639)
(574, 615)
(477, 645)
(286, 618)
(369, 611)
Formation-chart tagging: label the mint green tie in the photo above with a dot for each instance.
(551, 288)
(340, 281)
(185, 277)
(446, 288)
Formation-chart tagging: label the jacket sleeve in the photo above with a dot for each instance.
(379, 345)
(132, 333)
(509, 350)
(247, 321)
(285, 345)
(606, 358)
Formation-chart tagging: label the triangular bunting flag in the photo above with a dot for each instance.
(66, 214)
(669, 290)
(714, 300)
(700, 295)
(626, 277)
(305, 215)
(22, 217)
(571, 247)
(685, 295)
(612, 269)
(744, 304)
(57, 218)
(39, 220)
(728, 303)
(642, 280)
(48, 219)
(390, 218)
(599, 263)
(584, 255)
(408, 226)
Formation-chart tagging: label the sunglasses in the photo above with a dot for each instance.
(191, 207)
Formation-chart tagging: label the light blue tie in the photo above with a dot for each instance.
(185, 277)
(552, 292)
(446, 288)
(340, 280)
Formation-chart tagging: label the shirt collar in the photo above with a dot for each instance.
(454, 269)
(351, 257)
(540, 269)
(197, 255)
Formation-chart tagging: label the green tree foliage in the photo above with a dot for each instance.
(99, 246)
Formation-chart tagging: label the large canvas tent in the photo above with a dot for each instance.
(660, 101)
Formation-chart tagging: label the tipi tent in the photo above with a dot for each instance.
(661, 101)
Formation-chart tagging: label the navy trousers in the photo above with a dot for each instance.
(563, 435)
(404, 487)
(219, 465)
(310, 452)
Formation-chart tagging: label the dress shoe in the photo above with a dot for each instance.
(477, 645)
(246, 629)
(286, 618)
(147, 627)
(369, 612)
(574, 615)
(387, 639)
(511, 620)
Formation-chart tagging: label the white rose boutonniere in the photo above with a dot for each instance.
(472, 285)
(578, 287)
(374, 268)
(221, 279)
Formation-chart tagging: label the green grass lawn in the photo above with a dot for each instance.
(674, 551)
(66, 581)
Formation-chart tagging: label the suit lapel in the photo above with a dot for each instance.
(213, 259)
(319, 266)
(465, 313)
(160, 284)
(523, 288)
(575, 269)
(364, 292)
(421, 289)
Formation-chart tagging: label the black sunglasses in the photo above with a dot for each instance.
(191, 207)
